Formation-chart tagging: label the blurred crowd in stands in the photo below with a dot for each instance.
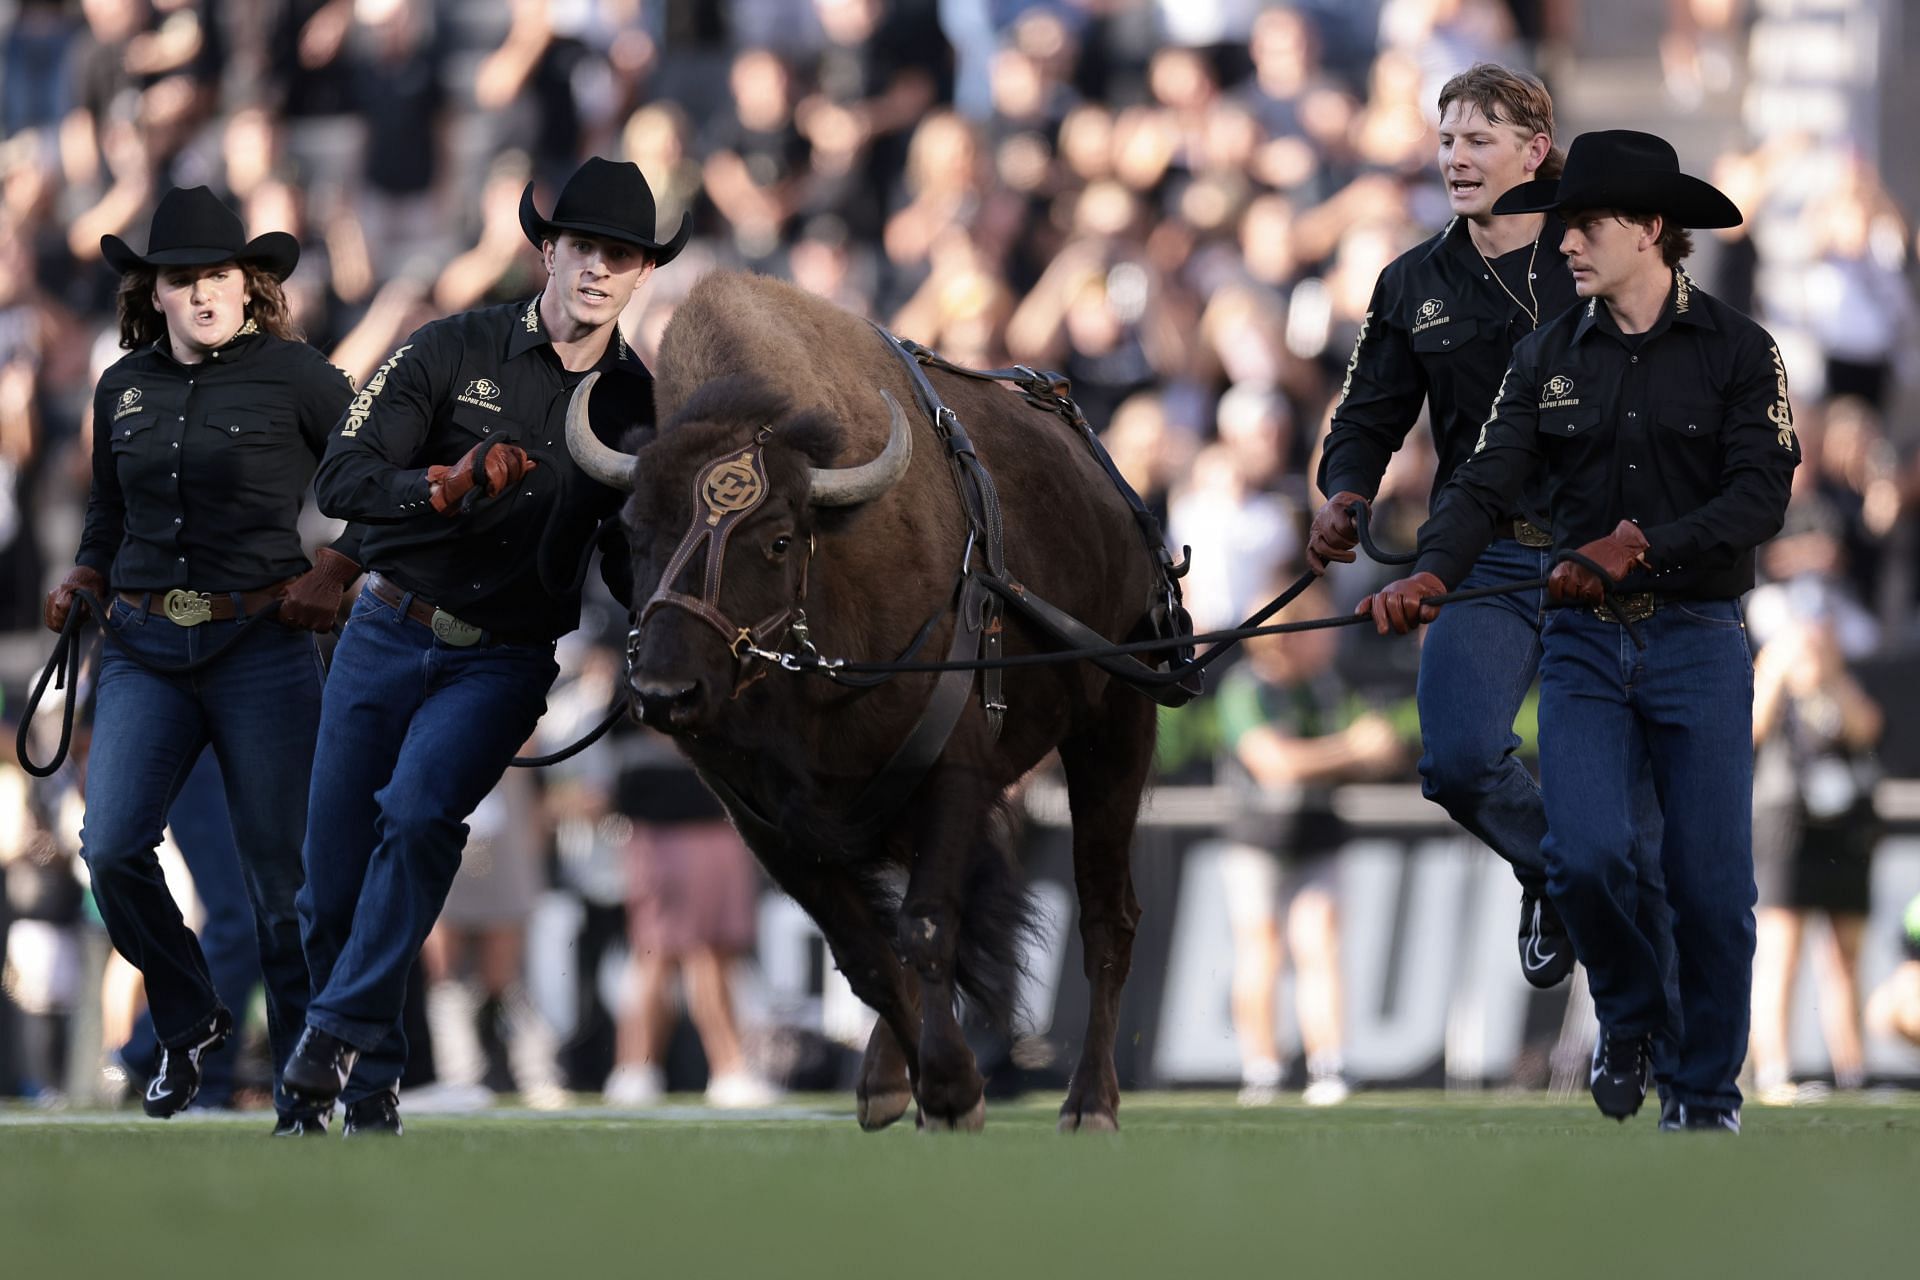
(1181, 205)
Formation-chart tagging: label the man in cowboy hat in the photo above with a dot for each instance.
(1439, 332)
(1661, 416)
(479, 528)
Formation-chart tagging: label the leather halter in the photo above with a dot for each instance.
(726, 490)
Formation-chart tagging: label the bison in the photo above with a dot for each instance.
(786, 483)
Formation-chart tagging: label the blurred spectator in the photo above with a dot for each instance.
(1291, 730)
(757, 161)
(1894, 1007)
(487, 1035)
(1814, 826)
(1241, 536)
(690, 912)
(1859, 302)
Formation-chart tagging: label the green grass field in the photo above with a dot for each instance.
(1416, 1185)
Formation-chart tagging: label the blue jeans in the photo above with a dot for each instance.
(413, 735)
(1682, 709)
(1476, 664)
(258, 707)
(228, 938)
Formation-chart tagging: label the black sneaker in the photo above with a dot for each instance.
(1670, 1110)
(178, 1079)
(1546, 953)
(1710, 1119)
(378, 1114)
(1622, 1070)
(319, 1067)
(302, 1126)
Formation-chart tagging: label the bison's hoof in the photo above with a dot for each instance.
(879, 1110)
(1088, 1122)
(974, 1120)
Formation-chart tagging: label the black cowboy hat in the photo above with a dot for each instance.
(1629, 171)
(192, 228)
(605, 198)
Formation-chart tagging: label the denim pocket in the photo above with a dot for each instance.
(1730, 620)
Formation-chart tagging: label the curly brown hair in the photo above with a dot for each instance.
(142, 324)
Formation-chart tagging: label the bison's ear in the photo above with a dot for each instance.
(638, 437)
(813, 434)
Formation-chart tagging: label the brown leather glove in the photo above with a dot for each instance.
(1400, 606)
(488, 468)
(61, 599)
(312, 600)
(1618, 553)
(1334, 534)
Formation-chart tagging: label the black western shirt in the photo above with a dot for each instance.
(199, 469)
(512, 564)
(1440, 330)
(1684, 430)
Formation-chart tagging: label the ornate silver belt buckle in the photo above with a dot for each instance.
(1637, 606)
(448, 629)
(186, 608)
(1529, 534)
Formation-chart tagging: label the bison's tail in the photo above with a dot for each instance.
(998, 925)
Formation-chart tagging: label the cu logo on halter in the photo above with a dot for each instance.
(731, 487)
(130, 397)
(1430, 308)
(1559, 386)
(485, 388)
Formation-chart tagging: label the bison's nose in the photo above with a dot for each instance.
(665, 705)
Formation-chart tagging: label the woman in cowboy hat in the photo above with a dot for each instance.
(205, 436)
(1661, 416)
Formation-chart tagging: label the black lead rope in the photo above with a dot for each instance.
(593, 735)
(1362, 524)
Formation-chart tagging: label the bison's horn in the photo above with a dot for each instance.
(850, 486)
(607, 465)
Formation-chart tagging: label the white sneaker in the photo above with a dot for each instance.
(1327, 1091)
(1258, 1095)
(741, 1090)
(628, 1086)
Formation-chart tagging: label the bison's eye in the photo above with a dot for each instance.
(778, 547)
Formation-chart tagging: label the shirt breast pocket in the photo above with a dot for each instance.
(485, 424)
(1691, 421)
(128, 432)
(1571, 423)
(247, 430)
(1444, 339)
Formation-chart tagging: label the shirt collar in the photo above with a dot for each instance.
(1685, 307)
(1457, 238)
(528, 331)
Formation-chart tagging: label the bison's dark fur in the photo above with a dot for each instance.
(744, 353)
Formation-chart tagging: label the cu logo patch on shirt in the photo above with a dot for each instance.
(1557, 392)
(1428, 314)
(481, 393)
(129, 403)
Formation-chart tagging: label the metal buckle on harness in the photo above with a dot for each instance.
(187, 608)
(448, 629)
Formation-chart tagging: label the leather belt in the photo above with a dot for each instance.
(186, 608)
(446, 628)
(1529, 534)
